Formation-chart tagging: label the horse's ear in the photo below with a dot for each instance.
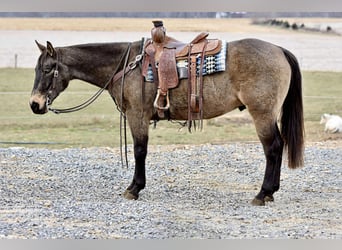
(40, 46)
(50, 48)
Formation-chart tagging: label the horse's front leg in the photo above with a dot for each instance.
(139, 178)
(139, 131)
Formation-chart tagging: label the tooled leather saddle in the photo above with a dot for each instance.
(162, 52)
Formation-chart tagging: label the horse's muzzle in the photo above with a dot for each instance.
(38, 104)
(35, 108)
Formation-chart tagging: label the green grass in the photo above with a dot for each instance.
(98, 125)
(323, 94)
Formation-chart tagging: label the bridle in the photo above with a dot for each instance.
(127, 67)
(53, 84)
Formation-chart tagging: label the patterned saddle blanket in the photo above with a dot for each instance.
(212, 64)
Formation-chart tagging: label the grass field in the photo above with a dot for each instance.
(98, 125)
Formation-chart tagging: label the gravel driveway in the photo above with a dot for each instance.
(192, 192)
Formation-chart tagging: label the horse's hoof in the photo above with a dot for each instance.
(258, 202)
(268, 198)
(129, 196)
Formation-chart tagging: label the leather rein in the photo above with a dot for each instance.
(128, 67)
(115, 76)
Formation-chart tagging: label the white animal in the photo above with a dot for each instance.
(333, 123)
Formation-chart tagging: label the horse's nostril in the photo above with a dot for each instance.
(35, 108)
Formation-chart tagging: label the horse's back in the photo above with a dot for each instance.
(253, 57)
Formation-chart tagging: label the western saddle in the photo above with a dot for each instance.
(161, 54)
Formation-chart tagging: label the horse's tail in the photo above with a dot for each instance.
(292, 120)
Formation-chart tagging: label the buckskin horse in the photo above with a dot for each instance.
(259, 76)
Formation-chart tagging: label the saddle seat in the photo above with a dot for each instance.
(212, 47)
(182, 49)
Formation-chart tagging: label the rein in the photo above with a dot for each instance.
(127, 67)
(115, 76)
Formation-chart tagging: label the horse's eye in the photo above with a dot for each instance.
(47, 70)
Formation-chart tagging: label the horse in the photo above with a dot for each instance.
(262, 77)
(333, 123)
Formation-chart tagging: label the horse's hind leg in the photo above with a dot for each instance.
(273, 145)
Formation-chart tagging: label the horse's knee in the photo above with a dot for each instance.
(140, 148)
(140, 152)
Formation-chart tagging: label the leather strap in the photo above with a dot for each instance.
(167, 70)
(193, 85)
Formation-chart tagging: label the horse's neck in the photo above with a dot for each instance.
(93, 63)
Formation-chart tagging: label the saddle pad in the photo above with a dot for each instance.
(212, 64)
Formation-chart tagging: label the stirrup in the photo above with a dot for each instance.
(155, 104)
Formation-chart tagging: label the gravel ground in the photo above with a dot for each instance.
(192, 192)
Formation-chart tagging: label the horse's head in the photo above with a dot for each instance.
(51, 78)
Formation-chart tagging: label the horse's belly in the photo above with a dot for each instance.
(213, 106)
(219, 97)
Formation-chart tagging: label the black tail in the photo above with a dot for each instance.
(292, 120)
